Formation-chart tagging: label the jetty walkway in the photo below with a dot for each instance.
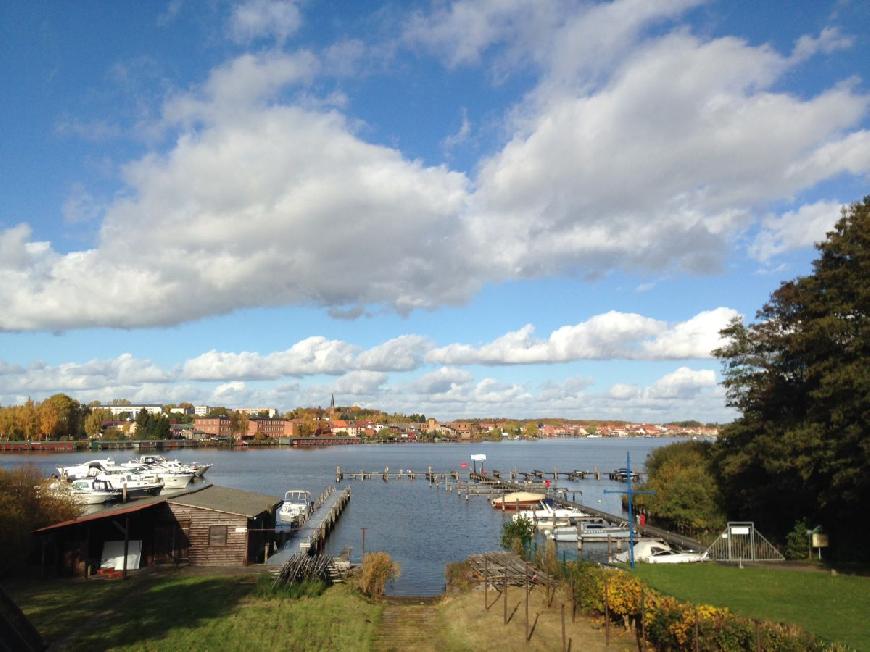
(311, 535)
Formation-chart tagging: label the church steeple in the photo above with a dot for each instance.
(332, 408)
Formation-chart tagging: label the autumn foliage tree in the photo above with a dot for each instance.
(27, 503)
(800, 376)
(687, 496)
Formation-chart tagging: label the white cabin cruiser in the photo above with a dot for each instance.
(597, 529)
(84, 470)
(563, 533)
(656, 551)
(93, 492)
(198, 470)
(546, 511)
(131, 483)
(172, 478)
(295, 508)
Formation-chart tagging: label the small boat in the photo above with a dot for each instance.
(656, 551)
(564, 533)
(296, 507)
(84, 470)
(600, 530)
(158, 461)
(93, 492)
(129, 482)
(547, 511)
(517, 501)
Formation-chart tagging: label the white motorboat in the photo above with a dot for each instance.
(84, 470)
(547, 512)
(564, 533)
(198, 470)
(93, 492)
(656, 551)
(171, 473)
(597, 529)
(175, 479)
(129, 482)
(296, 507)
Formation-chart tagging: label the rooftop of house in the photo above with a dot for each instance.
(224, 499)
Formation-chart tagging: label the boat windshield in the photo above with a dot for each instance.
(297, 496)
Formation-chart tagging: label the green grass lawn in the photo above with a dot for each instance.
(835, 607)
(198, 612)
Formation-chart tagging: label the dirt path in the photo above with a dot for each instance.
(460, 622)
(408, 624)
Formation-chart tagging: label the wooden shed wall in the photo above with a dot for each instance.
(234, 553)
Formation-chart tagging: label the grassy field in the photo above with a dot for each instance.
(173, 611)
(834, 607)
(195, 612)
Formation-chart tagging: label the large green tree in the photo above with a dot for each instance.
(686, 496)
(800, 377)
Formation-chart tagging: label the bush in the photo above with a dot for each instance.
(28, 502)
(517, 534)
(460, 576)
(670, 624)
(378, 568)
(797, 542)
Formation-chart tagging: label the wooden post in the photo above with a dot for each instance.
(640, 633)
(527, 604)
(697, 638)
(757, 636)
(485, 582)
(573, 602)
(606, 616)
(564, 643)
(504, 595)
(126, 542)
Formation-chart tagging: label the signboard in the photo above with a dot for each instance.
(820, 540)
(739, 530)
(241, 530)
(478, 457)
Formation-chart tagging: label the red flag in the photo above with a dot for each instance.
(464, 465)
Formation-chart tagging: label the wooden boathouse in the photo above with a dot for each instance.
(225, 527)
(210, 526)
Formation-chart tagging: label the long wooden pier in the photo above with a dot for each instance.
(514, 476)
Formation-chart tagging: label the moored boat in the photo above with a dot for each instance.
(597, 529)
(296, 507)
(656, 551)
(84, 470)
(517, 501)
(93, 492)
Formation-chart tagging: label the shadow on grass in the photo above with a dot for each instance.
(143, 610)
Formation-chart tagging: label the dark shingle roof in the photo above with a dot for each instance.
(232, 501)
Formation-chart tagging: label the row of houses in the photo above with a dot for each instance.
(192, 410)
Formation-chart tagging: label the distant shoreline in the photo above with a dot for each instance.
(168, 445)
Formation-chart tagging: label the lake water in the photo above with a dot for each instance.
(422, 527)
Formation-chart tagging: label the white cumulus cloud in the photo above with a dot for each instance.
(795, 229)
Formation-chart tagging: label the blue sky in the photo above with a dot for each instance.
(514, 208)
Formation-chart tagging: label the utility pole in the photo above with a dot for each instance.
(631, 493)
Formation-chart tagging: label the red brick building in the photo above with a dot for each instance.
(214, 426)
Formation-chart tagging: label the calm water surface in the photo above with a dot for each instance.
(423, 528)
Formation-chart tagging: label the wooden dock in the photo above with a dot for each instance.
(399, 474)
(311, 536)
